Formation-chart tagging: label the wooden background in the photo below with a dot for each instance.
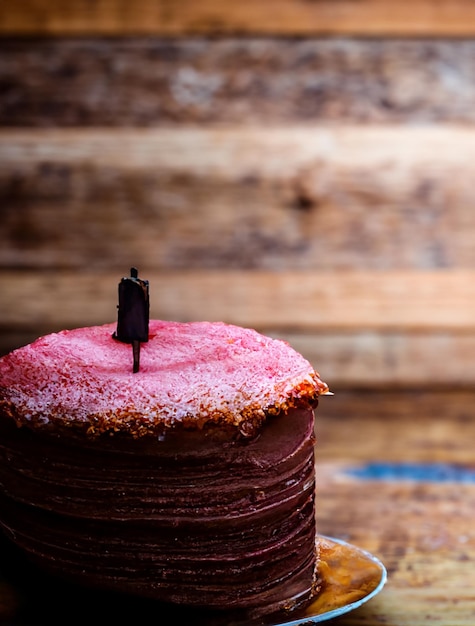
(305, 168)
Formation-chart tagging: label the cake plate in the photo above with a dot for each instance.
(351, 576)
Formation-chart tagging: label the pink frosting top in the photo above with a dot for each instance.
(188, 371)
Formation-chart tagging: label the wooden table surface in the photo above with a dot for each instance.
(415, 509)
(396, 476)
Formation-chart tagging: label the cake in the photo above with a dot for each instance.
(191, 481)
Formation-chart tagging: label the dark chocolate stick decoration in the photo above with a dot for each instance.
(133, 314)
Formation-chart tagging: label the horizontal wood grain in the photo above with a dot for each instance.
(267, 198)
(405, 359)
(396, 426)
(430, 301)
(287, 17)
(422, 531)
(237, 151)
(149, 81)
(353, 243)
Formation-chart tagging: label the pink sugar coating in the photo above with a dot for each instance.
(186, 369)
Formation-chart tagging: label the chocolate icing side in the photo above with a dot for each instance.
(199, 517)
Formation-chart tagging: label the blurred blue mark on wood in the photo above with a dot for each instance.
(416, 472)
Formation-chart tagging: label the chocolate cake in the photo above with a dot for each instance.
(190, 481)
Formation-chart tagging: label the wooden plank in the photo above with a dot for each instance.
(388, 359)
(235, 80)
(273, 198)
(287, 17)
(378, 301)
(237, 151)
(397, 426)
(421, 530)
